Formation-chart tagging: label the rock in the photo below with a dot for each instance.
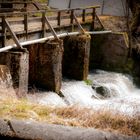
(41, 131)
(102, 91)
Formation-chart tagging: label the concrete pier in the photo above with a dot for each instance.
(46, 65)
(76, 57)
(18, 64)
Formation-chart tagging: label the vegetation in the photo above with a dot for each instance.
(88, 82)
(71, 116)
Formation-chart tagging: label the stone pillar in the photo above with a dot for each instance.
(18, 63)
(49, 66)
(76, 57)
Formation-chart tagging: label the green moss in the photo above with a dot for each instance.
(88, 82)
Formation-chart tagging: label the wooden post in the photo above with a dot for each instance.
(71, 17)
(26, 24)
(83, 15)
(43, 24)
(93, 18)
(3, 32)
(59, 18)
(25, 5)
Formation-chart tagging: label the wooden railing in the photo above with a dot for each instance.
(43, 17)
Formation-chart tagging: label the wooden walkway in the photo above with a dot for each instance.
(24, 23)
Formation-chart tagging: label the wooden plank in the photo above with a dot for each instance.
(71, 16)
(12, 34)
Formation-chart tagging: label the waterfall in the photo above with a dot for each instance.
(109, 90)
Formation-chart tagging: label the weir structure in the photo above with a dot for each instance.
(37, 58)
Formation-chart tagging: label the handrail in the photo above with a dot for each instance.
(44, 20)
(52, 10)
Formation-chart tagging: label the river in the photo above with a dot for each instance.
(102, 90)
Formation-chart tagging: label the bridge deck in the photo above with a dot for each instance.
(35, 24)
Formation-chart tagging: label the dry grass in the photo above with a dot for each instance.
(71, 116)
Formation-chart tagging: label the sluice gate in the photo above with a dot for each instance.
(40, 46)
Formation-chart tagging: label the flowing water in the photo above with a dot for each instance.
(103, 90)
(107, 90)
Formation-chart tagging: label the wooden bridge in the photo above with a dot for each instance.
(42, 63)
(27, 24)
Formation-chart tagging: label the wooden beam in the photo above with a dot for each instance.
(83, 15)
(100, 22)
(51, 28)
(12, 34)
(78, 23)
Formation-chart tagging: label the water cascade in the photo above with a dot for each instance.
(107, 90)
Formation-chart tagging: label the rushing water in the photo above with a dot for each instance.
(108, 90)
